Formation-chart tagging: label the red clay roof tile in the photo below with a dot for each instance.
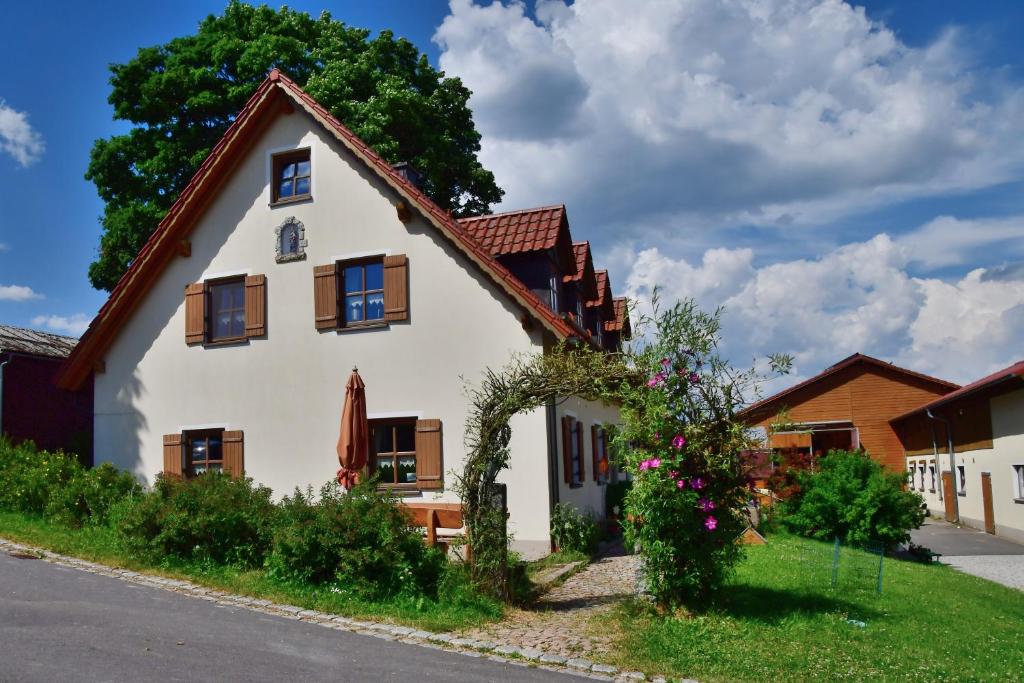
(516, 232)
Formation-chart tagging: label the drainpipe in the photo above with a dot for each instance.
(552, 420)
(9, 358)
(952, 462)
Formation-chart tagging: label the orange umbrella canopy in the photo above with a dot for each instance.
(354, 439)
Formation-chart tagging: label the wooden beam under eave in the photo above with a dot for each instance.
(404, 212)
(185, 248)
(99, 366)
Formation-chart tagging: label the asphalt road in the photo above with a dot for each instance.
(60, 624)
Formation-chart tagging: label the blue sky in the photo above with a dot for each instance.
(851, 183)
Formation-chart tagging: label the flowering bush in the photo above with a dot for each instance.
(687, 505)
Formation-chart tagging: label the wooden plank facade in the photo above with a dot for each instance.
(848, 404)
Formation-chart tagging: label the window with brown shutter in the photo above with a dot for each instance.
(574, 471)
(325, 296)
(195, 313)
(173, 455)
(579, 474)
(204, 452)
(226, 310)
(406, 453)
(255, 306)
(567, 423)
(234, 453)
(599, 448)
(396, 287)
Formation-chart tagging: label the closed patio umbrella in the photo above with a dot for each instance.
(354, 438)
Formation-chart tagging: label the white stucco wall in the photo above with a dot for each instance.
(1007, 450)
(286, 390)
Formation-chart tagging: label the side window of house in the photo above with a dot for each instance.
(554, 292)
(910, 475)
(292, 176)
(364, 292)
(931, 478)
(599, 445)
(193, 453)
(363, 283)
(226, 310)
(574, 471)
(961, 478)
(920, 472)
(1018, 478)
(405, 453)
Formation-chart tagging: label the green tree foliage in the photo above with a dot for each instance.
(182, 96)
(854, 498)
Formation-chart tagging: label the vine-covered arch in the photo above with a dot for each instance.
(528, 382)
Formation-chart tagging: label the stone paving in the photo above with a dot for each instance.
(558, 624)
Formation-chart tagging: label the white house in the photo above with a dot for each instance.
(296, 253)
(965, 453)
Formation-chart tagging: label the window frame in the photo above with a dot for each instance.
(392, 423)
(554, 291)
(602, 440)
(911, 476)
(278, 162)
(1018, 471)
(343, 295)
(192, 435)
(961, 480)
(208, 287)
(576, 477)
(931, 474)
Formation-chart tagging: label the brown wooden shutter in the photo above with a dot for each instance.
(396, 287)
(596, 460)
(325, 296)
(174, 454)
(429, 461)
(195, 313)
(567, 448)
(255, 305)
(579, 449)
(234, 453)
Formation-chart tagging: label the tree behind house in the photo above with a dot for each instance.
(183, 95)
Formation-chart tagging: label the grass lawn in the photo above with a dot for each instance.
(781, 620)
(98, 544)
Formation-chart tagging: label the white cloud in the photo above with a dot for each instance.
(948, 241)
(4, 247)
(17, 137)
(74, 325)
(858, 297)
(18, 293)
(775, 112)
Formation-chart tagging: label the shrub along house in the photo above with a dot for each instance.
(965, 453)
(296, 253)
(846, 406)
(31, 406)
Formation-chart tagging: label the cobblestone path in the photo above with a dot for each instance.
(557, 624)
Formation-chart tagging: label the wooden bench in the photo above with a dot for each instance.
(438, 516)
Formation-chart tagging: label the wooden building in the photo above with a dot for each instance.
(846, 406)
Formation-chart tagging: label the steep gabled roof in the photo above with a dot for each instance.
(1000, 377)
(847, 362)
(620, 321)
(584, 275)
(516, 232)
(276, 95)
(23, 340)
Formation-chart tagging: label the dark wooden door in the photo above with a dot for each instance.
(986, 501)
(947, 496)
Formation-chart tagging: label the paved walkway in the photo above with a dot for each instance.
(558, 623)
(974, 552)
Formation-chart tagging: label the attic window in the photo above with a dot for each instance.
(292, 176)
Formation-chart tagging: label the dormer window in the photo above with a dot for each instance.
(554, 292)
(292, 176)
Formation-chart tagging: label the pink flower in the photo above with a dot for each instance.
(678, 442)
(666, 364)
(653, 382)
(672, 474)
(644, 465)
(657, 436)
(710, 523)
(697, 483)
(655, 462)
(694, 378)
(681, 484)
(706, 504)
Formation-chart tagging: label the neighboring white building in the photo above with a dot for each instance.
(295, 254)
(976, 477)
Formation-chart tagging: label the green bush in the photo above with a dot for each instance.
(28, 476)
(212, 518)
(572, 530)
(90, 493)
(361, 541)
(854, 498)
